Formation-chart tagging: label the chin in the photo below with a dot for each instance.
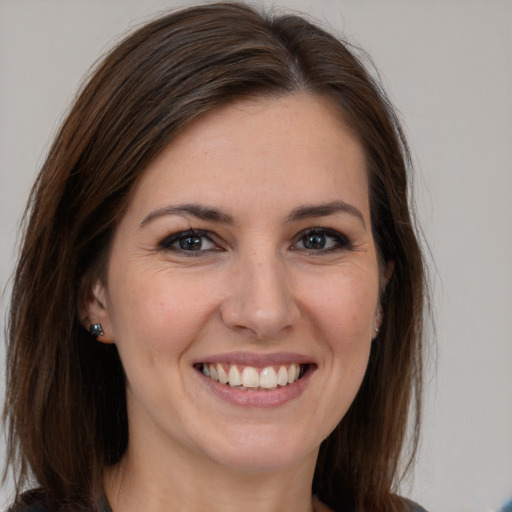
(263, 451)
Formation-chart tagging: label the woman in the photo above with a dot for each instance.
(218, 301)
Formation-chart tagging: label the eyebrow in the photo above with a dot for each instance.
(323, 210)
(194, 210)
(213, 214)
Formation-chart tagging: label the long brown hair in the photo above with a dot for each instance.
(65, 405)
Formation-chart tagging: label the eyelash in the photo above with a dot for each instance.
(168, 242)
(340, 241)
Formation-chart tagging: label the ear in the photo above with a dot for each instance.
(376, 321)
(93, 309)
(386, 274)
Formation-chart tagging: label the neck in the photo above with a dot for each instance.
(143, 481)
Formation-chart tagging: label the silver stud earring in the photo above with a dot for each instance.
(96, 330)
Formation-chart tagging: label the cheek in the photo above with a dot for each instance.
(344, 307)
(157, 314)
(343, 310)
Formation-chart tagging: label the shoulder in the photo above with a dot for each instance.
(36, 500)
(411, 506)
(28, 508)
(30, 501)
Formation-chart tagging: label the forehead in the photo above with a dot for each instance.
(260, 147)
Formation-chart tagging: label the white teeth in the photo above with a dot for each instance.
(282, 376)
(234, 377)
(213, 372)
(268, 378)
(250, 378)
(223, 376)
(293, 373)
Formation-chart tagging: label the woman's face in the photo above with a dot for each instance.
(246, 254)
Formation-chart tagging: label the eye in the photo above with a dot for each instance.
(322, 240)
(189, 241)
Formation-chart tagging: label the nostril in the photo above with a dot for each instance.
(263, 322)
(259, 298)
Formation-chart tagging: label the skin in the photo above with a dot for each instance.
(254, 287)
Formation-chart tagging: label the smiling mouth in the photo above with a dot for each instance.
(249, 378)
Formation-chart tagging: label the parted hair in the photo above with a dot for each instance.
(65, 407)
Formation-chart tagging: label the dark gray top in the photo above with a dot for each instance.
(33, 503)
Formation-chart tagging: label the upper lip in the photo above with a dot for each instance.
(257, 360)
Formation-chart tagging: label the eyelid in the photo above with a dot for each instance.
(167, 242)
(343, 242)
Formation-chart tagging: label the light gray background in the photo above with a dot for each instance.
(448, 67)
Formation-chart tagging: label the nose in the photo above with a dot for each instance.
(260, 301)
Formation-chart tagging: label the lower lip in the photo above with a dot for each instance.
(271, 398)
